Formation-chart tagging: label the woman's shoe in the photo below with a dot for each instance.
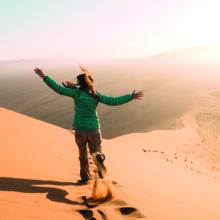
(83, 181)
(99, 162)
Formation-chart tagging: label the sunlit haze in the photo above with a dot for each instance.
(90, 30)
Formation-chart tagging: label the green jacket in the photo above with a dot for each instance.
(85, 117)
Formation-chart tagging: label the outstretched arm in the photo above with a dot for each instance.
(108, 100)
(54, 85)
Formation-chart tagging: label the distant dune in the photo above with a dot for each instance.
(163, 174)
(216, 93)
(172, 82)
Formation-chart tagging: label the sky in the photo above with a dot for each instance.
(104, 29)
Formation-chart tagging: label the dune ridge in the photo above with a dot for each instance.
(163, 174)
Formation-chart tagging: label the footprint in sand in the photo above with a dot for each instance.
(87, 214)
(103, 215)
(131, 211)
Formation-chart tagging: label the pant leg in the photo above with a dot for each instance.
(94, 141)
(81, 141)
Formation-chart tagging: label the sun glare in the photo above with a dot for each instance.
(199, 24)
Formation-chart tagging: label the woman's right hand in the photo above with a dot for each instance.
(39, 72)
(137, 95)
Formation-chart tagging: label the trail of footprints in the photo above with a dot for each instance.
(88, 214)
(93, 209)
(172, 158)
(91, 214)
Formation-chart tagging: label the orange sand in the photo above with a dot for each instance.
(169, 175)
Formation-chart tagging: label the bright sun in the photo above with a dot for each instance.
(199, 24)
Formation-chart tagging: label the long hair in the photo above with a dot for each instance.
(84, 82)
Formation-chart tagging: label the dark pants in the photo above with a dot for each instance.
(94, 140)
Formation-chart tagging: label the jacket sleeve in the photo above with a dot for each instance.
(119, 100)
(71, 92)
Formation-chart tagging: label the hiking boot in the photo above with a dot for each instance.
(99, 162)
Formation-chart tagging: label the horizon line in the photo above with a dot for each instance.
(108, 59)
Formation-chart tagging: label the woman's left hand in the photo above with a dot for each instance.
(137, 95)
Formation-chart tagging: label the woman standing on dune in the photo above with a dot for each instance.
(86, 122)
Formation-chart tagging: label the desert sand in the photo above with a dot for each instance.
(162, 174)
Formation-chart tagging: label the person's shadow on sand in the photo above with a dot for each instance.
(28, 186)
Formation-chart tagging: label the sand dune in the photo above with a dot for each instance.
(171, 82)
(163, 174)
